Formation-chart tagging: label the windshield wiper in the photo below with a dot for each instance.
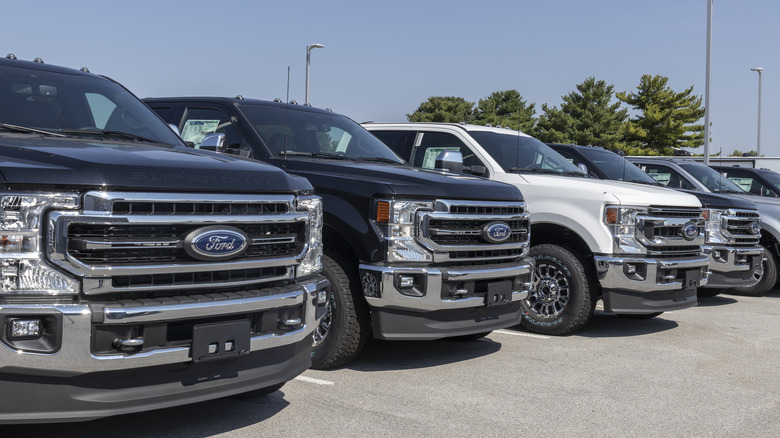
(17, 128)
(105, 133)
(314, 155)
(380, 160)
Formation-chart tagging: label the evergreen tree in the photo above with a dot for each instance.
(507, 109)
(586, 117)
(667, 119)
(443, 109)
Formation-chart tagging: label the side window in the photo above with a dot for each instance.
(430, 144)
(197, 123)
(395, 140)
(667, 176)
(573, 159)
(749, 184)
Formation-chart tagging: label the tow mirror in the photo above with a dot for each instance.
(213, 142)
(583, 168)
(449, 160)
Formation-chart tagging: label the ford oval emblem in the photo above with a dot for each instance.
(496, 232)
(754, 227)
(216, 243)
(690, 231)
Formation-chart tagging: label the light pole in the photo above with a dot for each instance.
(308, 59)
(758, 139)
(707, 86)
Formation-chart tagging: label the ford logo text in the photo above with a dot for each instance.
(690, 231)
(216, 243)
(496, 232)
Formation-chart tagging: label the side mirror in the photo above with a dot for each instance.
(583, 167)
(213, 142)
(476, 169)
(449, 160)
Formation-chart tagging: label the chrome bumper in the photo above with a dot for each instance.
(732, 266)
(75, 355)
(441, 288)
(659, 275)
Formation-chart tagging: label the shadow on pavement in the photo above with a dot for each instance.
(608, 325)
(400, 355)
(221, 416)
(717, 300)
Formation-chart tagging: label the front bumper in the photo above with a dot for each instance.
(646, 285)
(734, 266)
(460, 290)
(73, 356)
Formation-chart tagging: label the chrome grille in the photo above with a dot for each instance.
(455, 230)
(130, 242)
(661, 231)
(736, 227)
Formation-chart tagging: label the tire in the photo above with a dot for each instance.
(258, 393)
(639, 316)
(765, 284)
(346, 326)
(471, 337)
(563, 297)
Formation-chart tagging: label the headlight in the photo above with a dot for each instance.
(622, 221)
(22, 269)
(398, 221)
(312, 260)
(713, 220)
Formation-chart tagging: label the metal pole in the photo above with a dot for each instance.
(308, 62)
(758, 137)
(707, 87)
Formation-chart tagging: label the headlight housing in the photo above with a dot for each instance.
(311, 263)
(22, 268)
(623, 222)
(713, 220)
(397, 219)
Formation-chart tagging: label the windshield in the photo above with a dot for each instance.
(291, 132)
(520, 153)
(62, 104)
(711, 178)
(616, 167)
(772, 177)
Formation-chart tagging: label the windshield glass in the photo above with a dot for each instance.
(76, 105)
(616, 167)
(772, 177)
(711, 178)
(520, 153)
(290, 132)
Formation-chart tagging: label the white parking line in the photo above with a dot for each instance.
(528, 335)
(314, 381)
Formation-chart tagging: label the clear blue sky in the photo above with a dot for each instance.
(382, 59)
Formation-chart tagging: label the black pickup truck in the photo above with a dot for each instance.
(409, 253)
(137, 273)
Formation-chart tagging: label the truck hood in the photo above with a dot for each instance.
(38, 162)
(716, 200)
(378, 179)
(624, 192)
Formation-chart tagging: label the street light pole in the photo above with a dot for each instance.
(707, 86)
(308, 60)
(758, 138)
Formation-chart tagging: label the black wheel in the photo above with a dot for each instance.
(639, 316)
(563, 296)
(471, 337)
(346, 325)
(766, 280)
(262, 392)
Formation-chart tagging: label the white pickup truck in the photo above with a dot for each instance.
(638, 248)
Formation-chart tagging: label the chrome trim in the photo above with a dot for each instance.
(75, 356)
(435, 278)
(611, 276)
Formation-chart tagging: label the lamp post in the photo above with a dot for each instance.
(707, 86)
(758, 138)
(308, 60)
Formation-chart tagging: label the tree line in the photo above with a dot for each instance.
(593, 114)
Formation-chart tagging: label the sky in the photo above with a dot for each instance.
(382, 59)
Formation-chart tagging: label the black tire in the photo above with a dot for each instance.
(471, 337)
(767, 282)
(563, 297)
(639, 316)
(346, 326)
(258, 393)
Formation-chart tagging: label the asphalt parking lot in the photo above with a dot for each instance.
(705, 371)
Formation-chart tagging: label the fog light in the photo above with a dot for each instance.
(631, 269)
(25, 328)
(406, 281)
(322, 296)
